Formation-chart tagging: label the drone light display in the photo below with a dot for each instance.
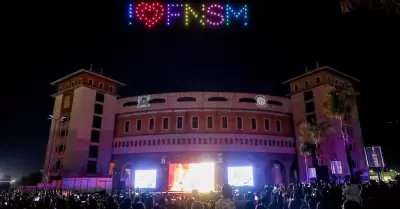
(206, 15)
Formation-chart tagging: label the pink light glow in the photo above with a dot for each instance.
(150, 13)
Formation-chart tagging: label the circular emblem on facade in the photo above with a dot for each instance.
(261, 101)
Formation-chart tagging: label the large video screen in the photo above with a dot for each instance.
(187, 177)
(374, 157)
(240, 176)
(145, 178)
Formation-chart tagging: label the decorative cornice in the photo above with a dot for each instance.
(203, 136)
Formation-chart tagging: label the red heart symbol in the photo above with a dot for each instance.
(150, 13)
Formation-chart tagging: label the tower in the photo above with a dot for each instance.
(307, 93)
(82, 127)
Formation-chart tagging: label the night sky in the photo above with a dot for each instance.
(44, 42)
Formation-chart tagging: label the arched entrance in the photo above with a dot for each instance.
(127, 175)
(276, 173)
(294, 172)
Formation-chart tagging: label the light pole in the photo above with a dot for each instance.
(56, 120)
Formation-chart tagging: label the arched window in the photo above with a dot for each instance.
(186, 99)
(128, 104)
(247, 100)
(217, 99)
(153, 101)
(274, 102)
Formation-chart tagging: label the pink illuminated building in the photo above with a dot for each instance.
(107, 137)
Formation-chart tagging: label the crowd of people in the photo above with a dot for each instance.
(369, 195)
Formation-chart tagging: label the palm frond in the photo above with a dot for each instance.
(306, 148)
(338, 102)
(304, 128)
(313, 133)
(324, 129)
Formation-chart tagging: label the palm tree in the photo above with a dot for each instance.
(337, 104)
(348, 5)
(391, 7)
(305, 150)
(311, 136)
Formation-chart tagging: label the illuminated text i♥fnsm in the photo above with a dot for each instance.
(207, 15)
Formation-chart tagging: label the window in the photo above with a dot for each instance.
(210, 122)
(296, 88)
(266, 124)
(310, 107)
(318, 79)
(217, 99)
(329, 79)
(98, 109)
(95, 136)
(92, 166)
(96, 122)
(253, 123)
(186, 99)
(138, 125)
(342, 83)
(312, 119)
(278, 125)
(336, 167)
(151, 124)
(127, 125)
(195, 122)
(239, 123)
(165, 124)
(60, 88)
(63, 133)
(90, 82)
(93, 151)
(101, 85)
(248, 100)
(72, 84)
(308, 95)
(349, 86)
(111, 89)
(306, 83)
(79, 81)
(58, 164)
(336, 82)
(99, 97)
(67, 102)
(179, 122)
(224, 122)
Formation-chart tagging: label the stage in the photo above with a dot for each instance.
(204, 172)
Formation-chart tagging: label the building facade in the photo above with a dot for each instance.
(96, 133)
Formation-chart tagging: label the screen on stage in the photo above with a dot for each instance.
(187, 177)
(145, 178)
(240, 176)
